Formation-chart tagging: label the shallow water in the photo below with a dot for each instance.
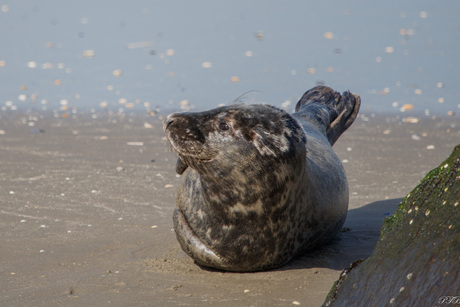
(126, 55)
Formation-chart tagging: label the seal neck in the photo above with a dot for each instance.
(256, 187)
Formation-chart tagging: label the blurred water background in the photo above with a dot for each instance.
(70, 56)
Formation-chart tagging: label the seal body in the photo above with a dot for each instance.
(260, 185)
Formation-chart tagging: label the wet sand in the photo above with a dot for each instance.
(86, 205)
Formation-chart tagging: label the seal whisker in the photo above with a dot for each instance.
(237, 99)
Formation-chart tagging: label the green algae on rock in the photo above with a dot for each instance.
(417, 259)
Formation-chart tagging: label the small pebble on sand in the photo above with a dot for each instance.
(206, 64)
(235, 79)
(389, 49)
(135, 143)
(89, 54)
(259, 35)
(411, 120)
(328, 35)
(286, 105)
(184, 104)
(407, 107)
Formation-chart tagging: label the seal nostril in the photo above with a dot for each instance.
(168, 122)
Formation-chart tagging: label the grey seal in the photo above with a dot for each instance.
(260, 185)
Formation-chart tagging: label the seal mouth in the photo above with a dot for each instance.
(186, 155)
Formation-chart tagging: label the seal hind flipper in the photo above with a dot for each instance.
(331, 111)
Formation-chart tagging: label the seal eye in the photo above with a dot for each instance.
(223, 126)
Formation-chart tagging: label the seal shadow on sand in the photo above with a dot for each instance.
(357, 239)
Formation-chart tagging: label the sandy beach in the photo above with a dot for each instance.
(87, 195)
(86, 205)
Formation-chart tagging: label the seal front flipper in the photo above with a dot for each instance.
(329, 110)
(192, 245)
(181, 166)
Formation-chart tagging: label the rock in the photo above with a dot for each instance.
(416, 260)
